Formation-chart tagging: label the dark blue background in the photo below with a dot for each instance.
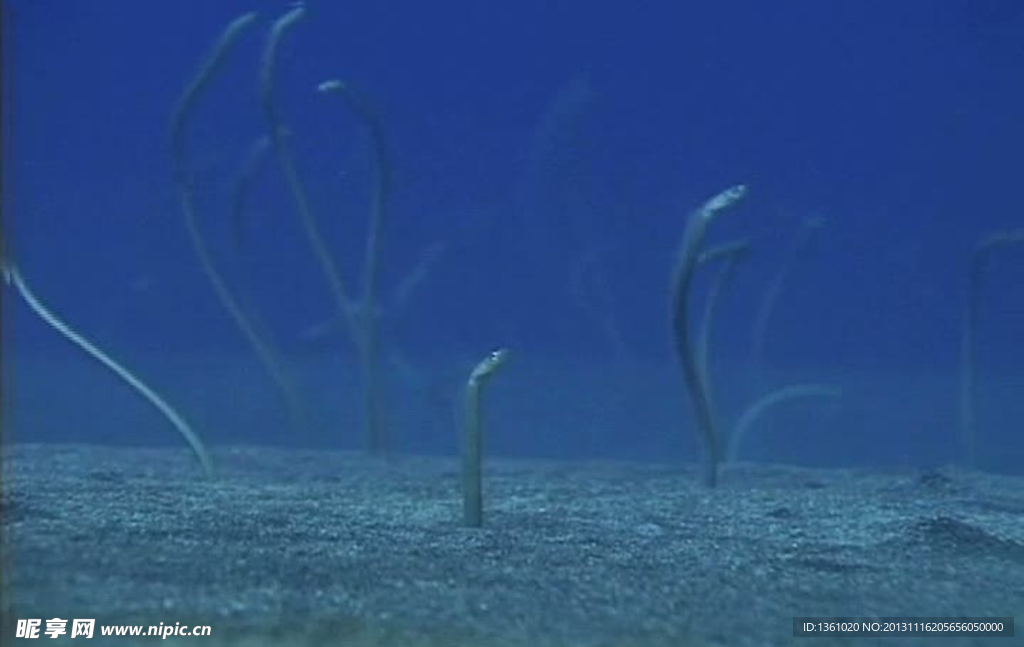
(899, 123)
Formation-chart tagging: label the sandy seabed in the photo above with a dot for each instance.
(332, 548)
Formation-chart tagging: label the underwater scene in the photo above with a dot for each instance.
(545, 323)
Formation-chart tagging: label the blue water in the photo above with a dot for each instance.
(553, 150)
